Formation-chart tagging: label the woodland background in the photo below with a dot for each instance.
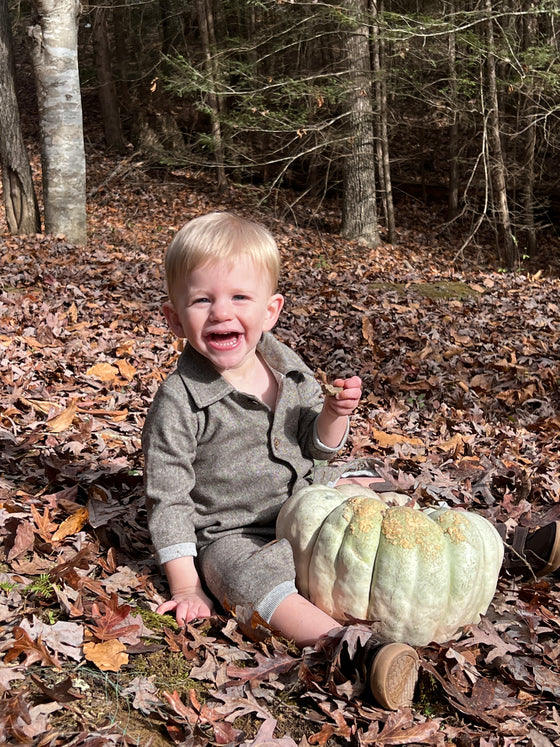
(460, 362)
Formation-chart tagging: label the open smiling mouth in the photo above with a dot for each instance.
(224, 340)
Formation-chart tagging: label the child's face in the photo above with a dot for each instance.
(222, 309)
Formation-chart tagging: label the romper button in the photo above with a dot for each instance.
(276, 443)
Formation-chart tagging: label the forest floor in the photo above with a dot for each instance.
(461, 366)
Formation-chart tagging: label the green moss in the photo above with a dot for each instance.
(444, 290)
(170, 671)
(157, 622)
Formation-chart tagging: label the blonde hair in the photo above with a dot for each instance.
(220, 237)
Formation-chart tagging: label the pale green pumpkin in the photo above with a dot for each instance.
(419, 574)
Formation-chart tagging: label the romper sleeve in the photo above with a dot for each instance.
(169, 446)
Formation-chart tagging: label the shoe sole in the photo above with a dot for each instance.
(393, 676)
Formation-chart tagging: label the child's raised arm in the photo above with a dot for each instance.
(188, 598)
(332, 423)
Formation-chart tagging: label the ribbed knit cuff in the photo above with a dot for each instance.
(182, 550)
(267, 606)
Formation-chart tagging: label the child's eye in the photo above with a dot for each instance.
(202, 299)
(239, 297)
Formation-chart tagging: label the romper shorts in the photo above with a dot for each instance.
(250, 571)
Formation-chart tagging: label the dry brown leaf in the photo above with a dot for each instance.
(390, 439)
(71, 525)
(64, 420)
(105, 372)
(126, 370)
(109, 656)
(41, 405)
(456, 444)
(328, 389)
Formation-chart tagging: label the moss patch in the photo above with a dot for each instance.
(443, 289)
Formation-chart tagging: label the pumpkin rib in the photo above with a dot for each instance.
(360, 542)
(411, 576)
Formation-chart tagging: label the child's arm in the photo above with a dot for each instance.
(332, 422)
(188, 599)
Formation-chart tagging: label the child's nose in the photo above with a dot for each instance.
(220, 310)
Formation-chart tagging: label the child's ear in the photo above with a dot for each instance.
(172, 319)
(273, 309)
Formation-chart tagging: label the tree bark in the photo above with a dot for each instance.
(383, 151)
(206, 24)
(55, 62)
(506, 246)
(359, 209)
(22, 211)
(107, 92)
(453, 197)
(530, 97)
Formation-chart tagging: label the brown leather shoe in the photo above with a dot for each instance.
(393, 673)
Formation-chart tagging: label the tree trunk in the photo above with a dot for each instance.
(55, 62)
(506, 246)
(530, 97)
(383, 153)
(107, 93)
(22, 211)
(359, 209)
(453, 197)
(206, 24)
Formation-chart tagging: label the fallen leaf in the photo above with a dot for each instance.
(108, 656)
(105, 372)
(23, 541)
(71, 525)
(265, 736)
(64, 420)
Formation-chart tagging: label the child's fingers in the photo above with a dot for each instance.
(168, 606)
(353, 383)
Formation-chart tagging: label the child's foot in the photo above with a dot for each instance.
(533, 553)
(387, 670)
(391, 672)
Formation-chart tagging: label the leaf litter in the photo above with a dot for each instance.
(460, 407)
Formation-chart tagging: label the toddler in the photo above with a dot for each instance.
(231, 434)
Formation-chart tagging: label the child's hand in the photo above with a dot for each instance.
(188, 605)
(345, 401)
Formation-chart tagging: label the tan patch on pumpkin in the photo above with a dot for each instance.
(453, 524)
(411, 530)
(363, 514)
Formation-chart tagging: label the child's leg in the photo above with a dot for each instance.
(300, 621)
(389, 669)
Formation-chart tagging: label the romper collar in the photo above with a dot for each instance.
(205, 384)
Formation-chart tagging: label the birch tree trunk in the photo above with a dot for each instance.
(22, 211)
(359, 209)
(55, 62)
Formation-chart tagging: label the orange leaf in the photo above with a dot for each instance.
(390, 439)
(105, 372)
(63, 421)
(109, 656)
(71, 525)
(126, 370)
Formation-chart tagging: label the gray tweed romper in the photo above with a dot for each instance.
(219, 464)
